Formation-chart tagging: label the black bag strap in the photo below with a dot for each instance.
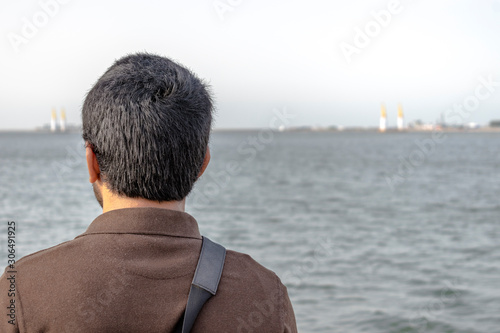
(205, 282)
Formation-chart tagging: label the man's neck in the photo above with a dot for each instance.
(115, 202)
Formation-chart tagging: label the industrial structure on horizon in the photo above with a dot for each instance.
(62, 121)
(401, 120)
(383, 126)
(383, 119)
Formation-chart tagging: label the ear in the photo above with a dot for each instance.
(92, 165)
(205, 162)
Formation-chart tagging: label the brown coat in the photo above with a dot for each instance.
(131, 272)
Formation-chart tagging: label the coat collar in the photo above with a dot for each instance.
(145, 221)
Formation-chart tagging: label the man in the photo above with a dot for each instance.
(146, 125)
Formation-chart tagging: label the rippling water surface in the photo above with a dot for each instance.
(370, 232)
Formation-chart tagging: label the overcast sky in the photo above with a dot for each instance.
(307, 56)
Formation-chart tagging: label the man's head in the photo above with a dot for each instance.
(148, 121)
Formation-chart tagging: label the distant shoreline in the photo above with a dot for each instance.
(301, 130)
(368, 130)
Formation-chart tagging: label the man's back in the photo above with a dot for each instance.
(131, 272)
(146, 125)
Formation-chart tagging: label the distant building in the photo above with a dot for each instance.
(472, 125)
(495, 123)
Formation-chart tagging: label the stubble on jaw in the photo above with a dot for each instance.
(97, 194)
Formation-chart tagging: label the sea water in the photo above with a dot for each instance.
(370, 232)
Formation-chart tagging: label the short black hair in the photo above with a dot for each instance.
(148, 121)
